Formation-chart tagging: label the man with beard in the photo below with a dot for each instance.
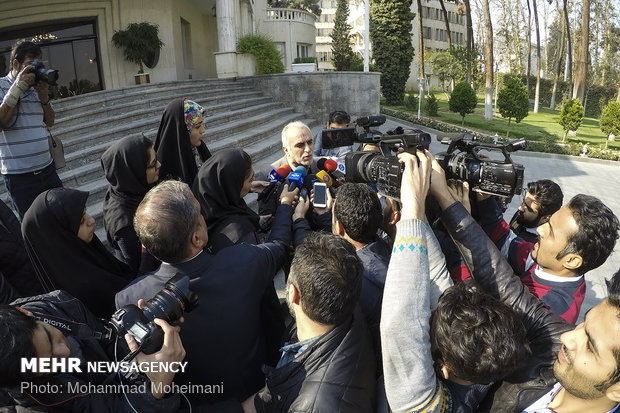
(571, 369)
(540, 201)
(576, 239)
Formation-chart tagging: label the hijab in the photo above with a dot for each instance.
(124, 165)
(173, 146)
(62, 260)
(218, 188)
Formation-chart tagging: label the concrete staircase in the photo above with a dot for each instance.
(237, 116)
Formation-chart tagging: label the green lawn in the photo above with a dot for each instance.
(535, 126)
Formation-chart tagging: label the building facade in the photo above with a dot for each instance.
(200, 37)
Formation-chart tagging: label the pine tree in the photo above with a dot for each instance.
(390, 34)
(341, 46)
(571, 116)
(513, 101)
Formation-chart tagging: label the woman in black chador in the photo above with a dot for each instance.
(131, 167)
(221, 184)
(67, 255)
(179, 144)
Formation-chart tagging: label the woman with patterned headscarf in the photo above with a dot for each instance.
(179, 144)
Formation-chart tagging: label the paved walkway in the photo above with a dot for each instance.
(574, 175)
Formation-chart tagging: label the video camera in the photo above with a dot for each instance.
(463, 161)
(50, 76)
(381, 168)
(169, 304)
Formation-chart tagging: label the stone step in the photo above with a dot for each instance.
(139, 92)
(150, 110)
(212, 101)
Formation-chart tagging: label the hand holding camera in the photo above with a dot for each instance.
(171, 350)
(415, 183)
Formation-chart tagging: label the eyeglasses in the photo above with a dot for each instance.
(152, 165)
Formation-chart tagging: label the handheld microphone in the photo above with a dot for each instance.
(326, 164)
(279, 174)
(324, 177)
(296, 178)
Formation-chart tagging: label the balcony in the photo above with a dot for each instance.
(292, 15)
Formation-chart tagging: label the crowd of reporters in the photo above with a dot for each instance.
(429, 303)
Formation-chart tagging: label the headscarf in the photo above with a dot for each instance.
(217, 188)
(124, 164)
(173, 146)
(63, 261)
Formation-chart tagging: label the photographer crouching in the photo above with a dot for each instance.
(56, 353)
(25, 113)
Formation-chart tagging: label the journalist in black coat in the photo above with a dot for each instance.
(222, 336)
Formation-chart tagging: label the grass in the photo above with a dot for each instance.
(534, 126)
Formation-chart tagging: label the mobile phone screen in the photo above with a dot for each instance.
(320, 195)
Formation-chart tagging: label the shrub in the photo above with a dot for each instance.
(411, 100)
(139, 41)
(463, 100)
(431, 105)
(513, 101)
(268, 57)
(571, 116)
(610, 120)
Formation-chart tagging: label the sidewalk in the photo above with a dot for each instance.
(574, 175)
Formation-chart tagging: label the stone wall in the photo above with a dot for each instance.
(319, 93)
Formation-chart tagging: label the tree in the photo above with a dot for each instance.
(571, 116)
(421, 44)
(463, 100)
(488, 54)
(390, 33)
(447, 22)
(341, 45)
(559, 60)
(610, 120)
(470, 40)
(569, 46)
(513, 101)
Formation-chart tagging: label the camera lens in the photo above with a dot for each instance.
(170, 303)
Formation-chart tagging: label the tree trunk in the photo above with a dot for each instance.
(618, 97)
(488, 54)
(470, 40)
(421, 51)
(581, 67)
(445, 17)
(558, 66)
(529, 47)
(538, 60)
(569, 61)
(508, 131)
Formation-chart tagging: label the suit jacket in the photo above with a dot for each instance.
(222, 336)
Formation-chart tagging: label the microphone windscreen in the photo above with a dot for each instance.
(301, 170)
(324, 177)
(321, 163)
(330, 165)
(283, 171)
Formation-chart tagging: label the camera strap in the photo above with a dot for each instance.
(71, 328)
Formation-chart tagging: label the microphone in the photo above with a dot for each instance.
(279, 174)
(324, 177)
(296, 178)
(326, 164)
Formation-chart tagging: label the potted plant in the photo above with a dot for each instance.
(141, 45)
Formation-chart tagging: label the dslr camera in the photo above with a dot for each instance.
(169, 304)
(381, 168)
(49, 76)
(465, 161)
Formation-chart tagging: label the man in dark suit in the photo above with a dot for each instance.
(223, 337)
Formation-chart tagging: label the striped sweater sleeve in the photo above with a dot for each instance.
(410, 380)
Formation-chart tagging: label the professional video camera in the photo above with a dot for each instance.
(169, 304)
(381, 168)
(464, 161)
(50, 76)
